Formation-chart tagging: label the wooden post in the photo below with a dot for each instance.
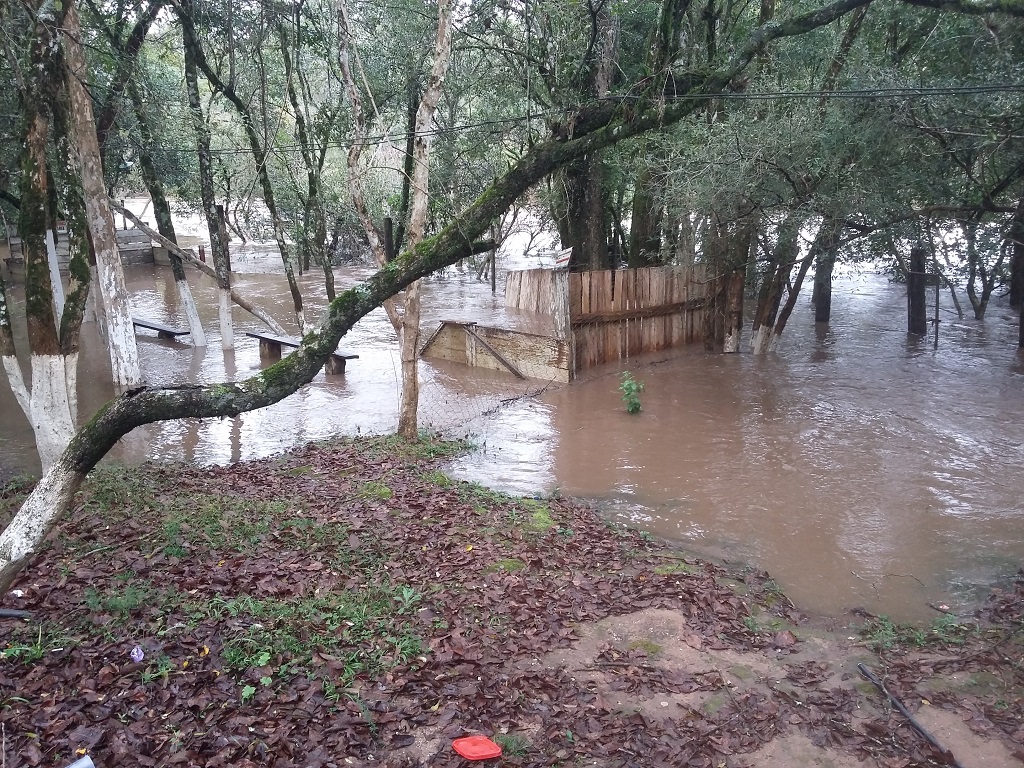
(202, 253)
(389, 239)
(560, 294)
(917, 312)
(222, 226)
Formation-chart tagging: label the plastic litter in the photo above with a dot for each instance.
(476, 748)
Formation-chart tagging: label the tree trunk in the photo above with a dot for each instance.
(822, 297)
(774, 280)
(825, 242)
(1016, 238)
(47, 397)
(124, 353)
(218, 244)
(917, 313)
(599, 125)
(162, 212)
(645, 223)
(194, 50)
(410, 338)
(314, 226)
(734, 310)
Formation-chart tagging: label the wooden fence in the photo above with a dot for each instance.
(525, 355)
(133, 245)
(614, 314)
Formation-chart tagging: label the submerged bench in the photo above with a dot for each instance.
(163, 331)
(270, 348)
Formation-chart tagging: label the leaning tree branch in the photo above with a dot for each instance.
(596, 126)
(258, 312)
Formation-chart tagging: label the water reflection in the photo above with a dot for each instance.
(857, 466)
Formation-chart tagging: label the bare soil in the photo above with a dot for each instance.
(348, 604)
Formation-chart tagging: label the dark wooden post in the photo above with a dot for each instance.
(389, 239)
(917, 314)
(222, 226)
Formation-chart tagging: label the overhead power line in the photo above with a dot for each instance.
(865, 93)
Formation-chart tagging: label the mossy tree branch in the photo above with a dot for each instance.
(591, 127)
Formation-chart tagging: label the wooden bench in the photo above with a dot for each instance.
(270, 349)
(163, 331)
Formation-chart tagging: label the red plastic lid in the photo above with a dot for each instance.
(476, 748)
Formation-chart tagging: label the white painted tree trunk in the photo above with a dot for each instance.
(13, 370)
(195, 325)
(760, 340)
(55, 282)
(124, 352)
(50, 406)
(190, 258)
(51, 497)
(227, 333)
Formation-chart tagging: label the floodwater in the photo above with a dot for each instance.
(860, 468)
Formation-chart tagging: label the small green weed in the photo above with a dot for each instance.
(881, 633)
(375, 490)
(407, 599)
(540, 520)
(438, 478)
(649, 647)
(670, 569)
(28, 652)
(512, 744)
(158, 669)
(631, 389)
(120, 602)
(509, 564)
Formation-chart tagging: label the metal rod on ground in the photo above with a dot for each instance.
(868, 674)
(11, 613)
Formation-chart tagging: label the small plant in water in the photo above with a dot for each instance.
(631, 389)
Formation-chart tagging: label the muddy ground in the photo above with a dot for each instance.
(348, 604)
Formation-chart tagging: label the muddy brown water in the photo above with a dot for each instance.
(860, 468)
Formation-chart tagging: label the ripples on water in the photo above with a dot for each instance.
(859, 468)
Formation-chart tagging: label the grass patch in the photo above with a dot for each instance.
(122, 600)
(512, 744)
(218, 521)
(31, 647)
(425, 448)
(438, 478)
(375, 490)
(669, 569)
(882, 634)
(508, 564)
(361, 628)
(646, 645)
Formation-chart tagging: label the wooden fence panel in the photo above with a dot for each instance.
(616, 314)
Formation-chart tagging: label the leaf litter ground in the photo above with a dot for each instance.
(349, 604)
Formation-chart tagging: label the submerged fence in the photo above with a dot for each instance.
(613, 314)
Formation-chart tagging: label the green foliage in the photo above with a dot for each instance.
(880, 633)
(512, 744)
(362, 626)
(375, 490)
(631, 389)
(34, 647)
